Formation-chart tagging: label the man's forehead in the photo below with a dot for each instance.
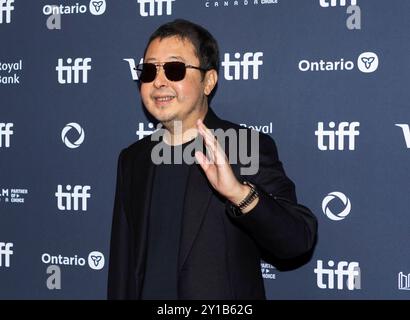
(175, 48)
(171, 57)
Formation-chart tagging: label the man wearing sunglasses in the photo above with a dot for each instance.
(197, 231)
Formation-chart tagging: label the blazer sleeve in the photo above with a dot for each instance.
(278, 224)
(118, 270)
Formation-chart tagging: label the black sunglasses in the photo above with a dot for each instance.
(174, 71)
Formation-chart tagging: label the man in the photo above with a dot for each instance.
(197, 231)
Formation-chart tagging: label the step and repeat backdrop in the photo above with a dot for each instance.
(327, 79)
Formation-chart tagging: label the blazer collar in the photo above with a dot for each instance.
(211, 120)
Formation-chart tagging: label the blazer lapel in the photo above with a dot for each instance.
(198, 194)
(141, 189)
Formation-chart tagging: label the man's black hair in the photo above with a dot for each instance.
(206, 47)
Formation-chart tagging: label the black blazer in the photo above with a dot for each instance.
(220, 253)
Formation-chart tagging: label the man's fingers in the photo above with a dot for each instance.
(202, 160)
(214, 149)
(206, 133)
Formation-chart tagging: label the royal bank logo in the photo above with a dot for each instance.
(5, 133)
(72, 198)
(13, 195)
(10, 72)
(367, 62)
(95, 7)
(404, 281)
(346, 274)
(341, 198)
(242, 66)
(223, 4)
(6, 7)
(155, 7)
(264, 128)
(406, 132)
(95, 260)
(326, 138)
(74, 71)
(132, 65)
(68, 139)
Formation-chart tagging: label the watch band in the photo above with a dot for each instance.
(252, 195)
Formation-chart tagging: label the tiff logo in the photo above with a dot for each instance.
(151, 4)
(341, 133)
(6, 252)
(334, 3)
(350, 271)
(70, 200)
(249, 60)
(404, 281)
(354, 20)
(6, 132)
(406, 132)
(71, 73)
(5, 10)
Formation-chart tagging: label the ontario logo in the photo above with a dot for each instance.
(367, 62)
(95, 7)
(95, 260)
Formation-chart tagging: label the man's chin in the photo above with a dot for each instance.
(166, 118)
(162, 115)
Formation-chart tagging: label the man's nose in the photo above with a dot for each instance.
(160, 78)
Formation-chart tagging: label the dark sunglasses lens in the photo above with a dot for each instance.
(175, 71)
(147, 72)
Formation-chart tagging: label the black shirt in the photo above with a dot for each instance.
(160, 281)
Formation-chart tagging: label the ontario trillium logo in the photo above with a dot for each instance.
(96, 260)
(97, 7)
(368, 62)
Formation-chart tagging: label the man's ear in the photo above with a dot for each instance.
(210, 80)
